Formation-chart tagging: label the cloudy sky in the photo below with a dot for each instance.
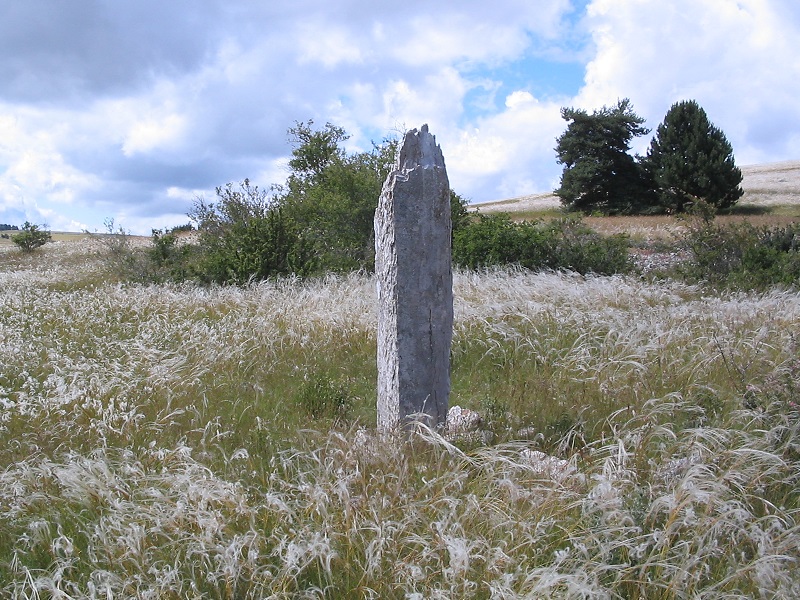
(130, 109)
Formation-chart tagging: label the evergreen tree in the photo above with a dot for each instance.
(690, 158)
(599, 173)
(31, 237)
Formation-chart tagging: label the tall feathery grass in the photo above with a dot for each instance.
(640, 441)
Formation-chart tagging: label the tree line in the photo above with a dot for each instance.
(689, 159)
(320, 220)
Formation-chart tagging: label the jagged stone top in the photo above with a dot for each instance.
(420, 150)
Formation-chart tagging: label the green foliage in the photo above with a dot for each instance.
(319, 221)
(314, 151)
(459, 211)
(690, 158)
(170, 258)
(121, 257)
(599, 174)
(244, 236)
(185, 228)
(563, 244)
(741, 255)
(323, 397)
(126, 258)
(31, 237)
(496, 240)
(332, 196)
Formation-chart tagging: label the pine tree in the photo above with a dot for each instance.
(599, 173)
(690, 158)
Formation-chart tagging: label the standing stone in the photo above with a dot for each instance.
(415, 286)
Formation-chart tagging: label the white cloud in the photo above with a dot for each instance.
(474, 33)
(330, 46)
(179, 193)
(154, 132)
(133, 125)
(510, 153)
(34, 174)
(737, 59)
(436, 99)
(460, 38)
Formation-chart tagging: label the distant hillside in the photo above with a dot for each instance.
(774, 183)
(768, 184)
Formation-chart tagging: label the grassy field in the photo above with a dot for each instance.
(171, 441)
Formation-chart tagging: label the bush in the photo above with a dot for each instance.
(562, 244)
(121, 256)
(31, 237)
(171, 259)
(128, 258)
(321, 220)
(741, 256)
(332, 196)
(245, 237)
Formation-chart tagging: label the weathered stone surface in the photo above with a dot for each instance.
(415, 286)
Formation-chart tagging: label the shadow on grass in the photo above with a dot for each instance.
(747, 210)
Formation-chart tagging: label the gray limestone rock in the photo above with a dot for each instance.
(415, 286)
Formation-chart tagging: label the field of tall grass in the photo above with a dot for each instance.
(639, 440)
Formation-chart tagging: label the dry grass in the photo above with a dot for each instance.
(645, 230)
(771, 199)
(154, 445)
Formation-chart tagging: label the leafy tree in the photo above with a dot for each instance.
(459, 211)
(332, 196)
(31, 237)
(315, 150)
(244, 237)
(690, 158)
(320, 220)
(599, 174)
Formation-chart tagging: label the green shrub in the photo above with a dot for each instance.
(245, 237)
(562, 244)
(581, 249)
(171, 259)
(490, 240)
(122, 259)
(31, 237)
(741, 256)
